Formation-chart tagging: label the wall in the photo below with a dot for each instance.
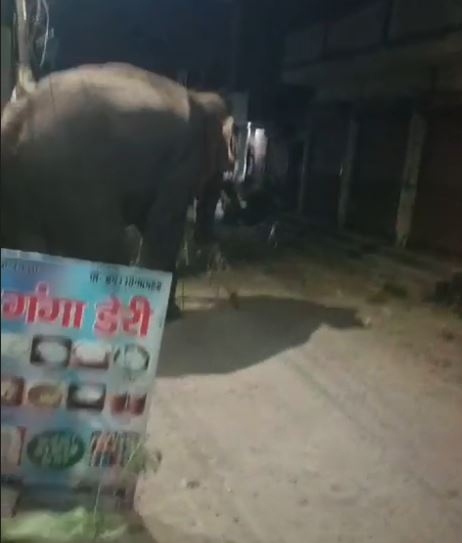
(359, 31)
(371, 28)
(411, 18)
(377, 174)
(304, 45)
(259, 55)
(323, 173)
(389, 63)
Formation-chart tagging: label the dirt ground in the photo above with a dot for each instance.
(316, 407)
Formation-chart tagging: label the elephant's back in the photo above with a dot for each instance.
(113, 119)
(99, 97)
(119, 86)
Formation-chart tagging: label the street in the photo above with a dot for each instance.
(313, 408)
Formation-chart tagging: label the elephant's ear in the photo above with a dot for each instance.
(228, 135)
(218, 147)
(211, 146)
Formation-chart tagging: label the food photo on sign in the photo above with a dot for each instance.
(80, 345)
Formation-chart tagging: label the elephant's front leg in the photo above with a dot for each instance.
(134, 243)
(162, 239)
(205, 222)
(205, 210)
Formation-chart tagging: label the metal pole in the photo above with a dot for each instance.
(21, 18)
(25, 79)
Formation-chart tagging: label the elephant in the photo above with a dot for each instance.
(97, 148)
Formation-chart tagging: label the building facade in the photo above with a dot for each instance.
(376, 147)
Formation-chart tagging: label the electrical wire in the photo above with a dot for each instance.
(44, 4)
(36, 37)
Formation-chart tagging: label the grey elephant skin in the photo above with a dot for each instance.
(97, 148)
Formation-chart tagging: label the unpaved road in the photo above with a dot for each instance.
(315, 412)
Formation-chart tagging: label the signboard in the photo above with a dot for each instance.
(79, 350)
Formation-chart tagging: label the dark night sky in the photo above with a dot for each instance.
(162, 35)
(180, 32)
(171, 35)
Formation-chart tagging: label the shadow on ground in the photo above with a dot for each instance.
(154, 531)
(164, 533)
(224, 339)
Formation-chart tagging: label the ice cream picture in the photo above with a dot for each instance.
(52, 351)
(132, 358)
(86, 396)
(91, 355)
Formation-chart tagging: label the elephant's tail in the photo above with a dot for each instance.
(13, 123)
(14, 119)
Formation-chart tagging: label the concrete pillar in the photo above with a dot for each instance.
(346, 172)
(411, 170)
(305, 168)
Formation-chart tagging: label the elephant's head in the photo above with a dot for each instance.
(218, 125)
(218, 157)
